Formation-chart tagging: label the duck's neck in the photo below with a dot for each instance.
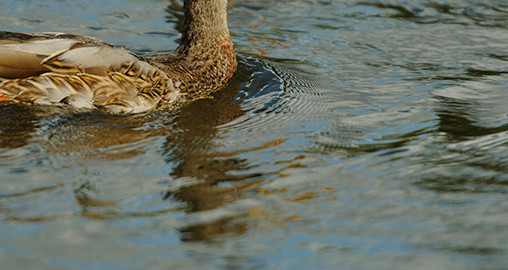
(206, 50)
(205, 26)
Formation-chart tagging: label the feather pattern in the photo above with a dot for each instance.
(86, 73)
(80, 71)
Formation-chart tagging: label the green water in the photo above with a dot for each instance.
(355, 135)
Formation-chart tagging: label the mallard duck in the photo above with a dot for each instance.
(84, 72)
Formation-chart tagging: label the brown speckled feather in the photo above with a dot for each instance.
(80, 71)
(84, 72)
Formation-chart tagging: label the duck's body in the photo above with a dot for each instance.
(84, 72)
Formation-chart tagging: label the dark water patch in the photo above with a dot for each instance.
(97, 28)
(117, 15)
(250, 7)
(499, 57)
(16, 131)
(460, 126)
(465, 183)
(18, 170)
(31, 20)
(158, 33)
(468, 109)
(479, 73)
(472, 250)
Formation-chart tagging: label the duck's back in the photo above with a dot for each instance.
(51, 68)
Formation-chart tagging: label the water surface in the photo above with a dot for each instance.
(355, 135)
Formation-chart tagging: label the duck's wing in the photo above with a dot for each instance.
(51, 68)
(63, 53)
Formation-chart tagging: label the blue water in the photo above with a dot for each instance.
(355, 135)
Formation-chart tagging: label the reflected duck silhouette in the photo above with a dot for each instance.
(84, 72)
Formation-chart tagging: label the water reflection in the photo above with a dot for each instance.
(189, 135)
(193, 149)
(470, 151)
(391, 147)
(16, 125)
(455, 118)
(189, 142)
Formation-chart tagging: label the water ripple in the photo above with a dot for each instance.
(353, 132)
(491, 14)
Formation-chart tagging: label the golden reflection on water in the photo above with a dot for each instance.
(16, 126)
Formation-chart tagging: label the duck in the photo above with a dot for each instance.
(84, 72)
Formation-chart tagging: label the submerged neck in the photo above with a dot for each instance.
(205, 23)
(206, 50)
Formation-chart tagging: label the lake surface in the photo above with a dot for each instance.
(355, 135)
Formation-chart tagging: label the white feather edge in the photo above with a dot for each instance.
(82, 57)
(42, 47)
(101, 56)
(95, 56)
